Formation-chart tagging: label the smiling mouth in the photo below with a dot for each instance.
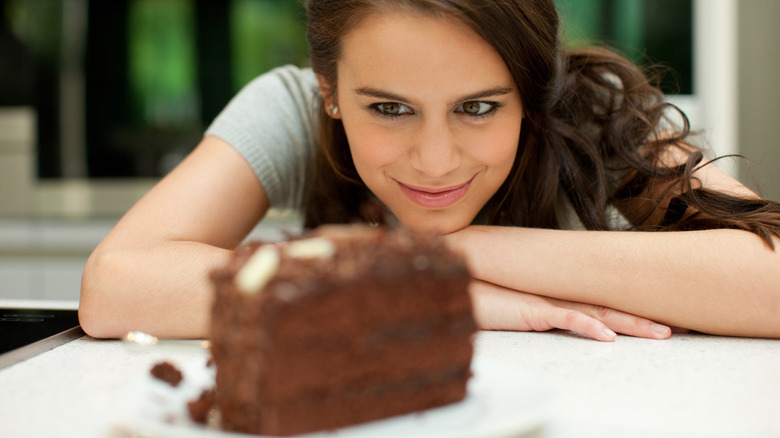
(435, 197)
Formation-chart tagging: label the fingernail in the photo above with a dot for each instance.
(660, 329)
(609, 333)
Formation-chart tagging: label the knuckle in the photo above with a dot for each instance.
(572, 316)
(601, 312)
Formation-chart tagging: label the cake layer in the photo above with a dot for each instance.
(312, 345)
(306, 371)
(288, 375)
(352, 405)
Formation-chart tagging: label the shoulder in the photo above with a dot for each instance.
(269, 103)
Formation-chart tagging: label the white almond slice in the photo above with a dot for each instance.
(314, 248)
(258, 270)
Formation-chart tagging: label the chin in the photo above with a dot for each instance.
(436, 225)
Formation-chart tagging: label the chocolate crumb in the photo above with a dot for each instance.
(166, 372)
(199, 409)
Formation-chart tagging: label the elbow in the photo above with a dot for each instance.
(98, 306)
(92, 325)
(773, 310)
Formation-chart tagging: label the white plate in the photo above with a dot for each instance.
(500, 402)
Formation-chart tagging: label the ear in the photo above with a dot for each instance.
(329, 100)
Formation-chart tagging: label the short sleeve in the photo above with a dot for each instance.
(271, 123)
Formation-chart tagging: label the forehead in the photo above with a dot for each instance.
(406, 50)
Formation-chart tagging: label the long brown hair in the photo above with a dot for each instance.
(590, 115)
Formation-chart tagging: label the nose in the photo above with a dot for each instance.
(435, 152)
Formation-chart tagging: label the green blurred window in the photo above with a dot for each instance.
(264, 35)
(157, 72)
(162, 62)
(649, 32)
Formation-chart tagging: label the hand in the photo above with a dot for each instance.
(498, 308)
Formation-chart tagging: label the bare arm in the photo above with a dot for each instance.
(499, 308)
(716, 281)
(151, 272)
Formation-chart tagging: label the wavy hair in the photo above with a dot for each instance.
(596, 130)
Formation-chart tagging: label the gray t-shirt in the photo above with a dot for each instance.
(272, 123)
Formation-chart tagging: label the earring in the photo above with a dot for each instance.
(333, 110)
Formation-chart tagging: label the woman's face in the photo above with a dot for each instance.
(432, 116)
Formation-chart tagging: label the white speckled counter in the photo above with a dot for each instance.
(688, 386)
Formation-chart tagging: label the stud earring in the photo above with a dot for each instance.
(333, 110)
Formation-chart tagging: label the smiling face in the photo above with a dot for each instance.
(432, 115)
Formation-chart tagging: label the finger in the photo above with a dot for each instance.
(633, 325)
(625, 323)
(578, 322)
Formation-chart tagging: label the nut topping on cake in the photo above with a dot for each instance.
(260, 268)
(313, 248)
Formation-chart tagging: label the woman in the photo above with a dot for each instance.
(528, 158)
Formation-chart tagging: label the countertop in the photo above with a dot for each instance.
(691, 385)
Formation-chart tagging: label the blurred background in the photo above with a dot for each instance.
(99, 99)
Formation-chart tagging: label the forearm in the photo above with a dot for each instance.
(150, 273)
(719, 281)
(160, 288)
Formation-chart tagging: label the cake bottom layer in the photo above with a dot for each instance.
(348, 406)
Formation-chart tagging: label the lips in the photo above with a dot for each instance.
(435, 197)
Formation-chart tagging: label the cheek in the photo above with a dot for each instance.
(372, 147)
(497, 149)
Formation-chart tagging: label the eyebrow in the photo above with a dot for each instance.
(381, 94)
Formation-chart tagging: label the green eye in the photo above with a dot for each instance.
(391, 109)
(477, 108)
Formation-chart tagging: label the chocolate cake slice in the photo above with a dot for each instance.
(348, 325)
